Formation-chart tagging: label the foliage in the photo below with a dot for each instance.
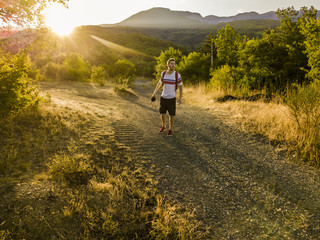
(224, 78)
(195, 67)
(228, 43)
(74, 168)
(98, 74)
(310, 28)
(292, 39)
(23, 12)
(304, 103)
(76, 68)
(170, 225)
(123, 68)
(52, 71)
(164, 57)
(17, 89)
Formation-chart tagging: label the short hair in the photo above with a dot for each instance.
(170, 60)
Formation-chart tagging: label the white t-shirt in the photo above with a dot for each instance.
(169, 82)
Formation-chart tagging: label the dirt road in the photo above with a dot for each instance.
(238, 184)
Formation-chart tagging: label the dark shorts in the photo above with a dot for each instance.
(168, 105)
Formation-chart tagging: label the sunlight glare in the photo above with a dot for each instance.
(59, 20)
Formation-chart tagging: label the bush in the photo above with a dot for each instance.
(304, 103)
(98, 75)
(17, 83)
(123, 68)
(74, 169)
(52, 71)
(75, 68)
(195, 67)
(230, 80)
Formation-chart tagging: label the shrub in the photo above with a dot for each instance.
(74, 169)
(195, 67)
(75, 68)
(304, 103)
(17, 83)
(98, 74)
(52, 71)
(124, 68)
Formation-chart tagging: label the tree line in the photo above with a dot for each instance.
(281, 58)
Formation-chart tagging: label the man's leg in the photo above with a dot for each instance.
(163, 120)
(171, 121)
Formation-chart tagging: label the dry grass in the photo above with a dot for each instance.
(67, 189)
(272, 120)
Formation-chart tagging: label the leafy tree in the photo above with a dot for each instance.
(293, 39)
(264, 60)
(310, 28)
(124, 68)
(17, 90)
(98, 74)
(76, 68)
(163, 58)
(195, 67)
(228, 43)
(23, 12)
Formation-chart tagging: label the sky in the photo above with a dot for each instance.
(95, 12)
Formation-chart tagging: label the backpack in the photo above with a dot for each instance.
(176, 74)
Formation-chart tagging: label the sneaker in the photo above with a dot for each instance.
(170, 133)
(162, 129)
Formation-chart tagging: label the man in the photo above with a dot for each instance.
(171, 80)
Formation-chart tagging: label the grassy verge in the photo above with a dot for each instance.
(56, 184)
(276, 121)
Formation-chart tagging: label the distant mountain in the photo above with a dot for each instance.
(166, 18)
(241, 16)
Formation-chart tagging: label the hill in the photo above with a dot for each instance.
(166, 18)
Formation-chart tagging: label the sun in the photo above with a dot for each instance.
(58, 19)
(62, 30)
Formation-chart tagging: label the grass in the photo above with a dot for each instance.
(275, 120)
(53, 185)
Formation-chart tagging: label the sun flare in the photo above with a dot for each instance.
(62, 30)
(58, 19)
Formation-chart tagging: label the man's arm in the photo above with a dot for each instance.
(180, 96)
(159, 84)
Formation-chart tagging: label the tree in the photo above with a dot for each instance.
(209, 47)
(293, 39)
(23, 12)
(228, 43)
(124, 68)
(312, 42)
(76, 68)
(17, 90)
(163, 58)
(195, 67)
(264, 60)
(310, 28)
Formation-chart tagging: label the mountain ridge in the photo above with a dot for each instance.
(158, 17)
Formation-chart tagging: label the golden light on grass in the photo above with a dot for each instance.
(116, 46)
(272, 120)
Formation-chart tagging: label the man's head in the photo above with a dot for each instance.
(171, 63)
